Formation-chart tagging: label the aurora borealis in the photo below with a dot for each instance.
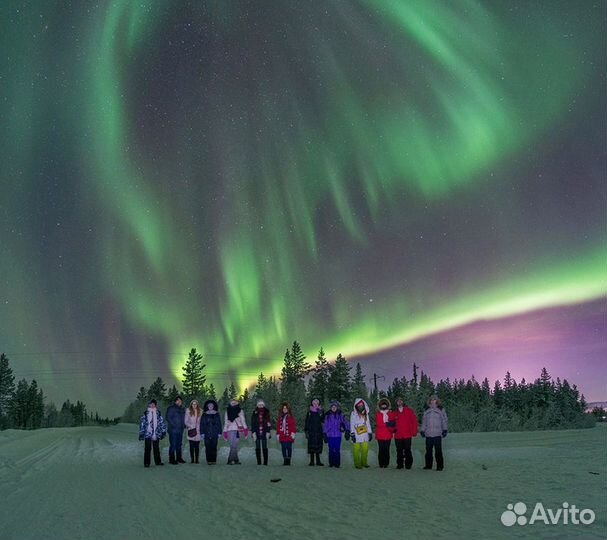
(366, 176)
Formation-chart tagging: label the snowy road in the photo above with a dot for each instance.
(89, 483)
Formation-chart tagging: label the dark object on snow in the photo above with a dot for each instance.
(275, 480)
(592, 472)
(484, 467)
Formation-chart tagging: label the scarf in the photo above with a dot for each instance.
(285, 424)
(152, 422)
(384, 414)
(233, 412)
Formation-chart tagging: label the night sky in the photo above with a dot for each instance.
(405, 181)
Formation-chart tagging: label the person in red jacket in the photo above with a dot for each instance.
(406, 429)
(285, 431)
(384, 431)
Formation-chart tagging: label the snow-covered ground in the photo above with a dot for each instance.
(90, 483)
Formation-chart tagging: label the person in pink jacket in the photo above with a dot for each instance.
(192, 425)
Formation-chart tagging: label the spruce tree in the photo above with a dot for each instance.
(7, 388)
(320, 378)
(19, 407)
(359, 388)
(193, 376)
(157, 390)
(338, 384)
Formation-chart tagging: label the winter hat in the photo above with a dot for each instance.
(383, 401)
(336, 403)
(261, 403)
(401, 399)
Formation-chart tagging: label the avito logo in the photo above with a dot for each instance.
(515, 514)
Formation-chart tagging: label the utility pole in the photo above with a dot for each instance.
(375, 377)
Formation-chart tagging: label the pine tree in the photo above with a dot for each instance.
(359, 388)
(272, 394)
(211, 392)
(193, 376)
(172, 394)
(7, 388)
(157, 390)
(142, 394)
(19, 407)
(261, 386)
(51, 415)
(292, 388)
(320, 378)
(35, 399)
(224, 400)
(338, 384)
(298, 360)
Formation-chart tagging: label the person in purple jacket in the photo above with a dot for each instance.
(335, 424)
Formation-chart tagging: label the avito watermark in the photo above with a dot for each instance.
(566, 514)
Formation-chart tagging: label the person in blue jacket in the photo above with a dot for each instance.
(210, 428)
(151, 430)
(175, 418)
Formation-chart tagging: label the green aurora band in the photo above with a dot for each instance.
(290, 172)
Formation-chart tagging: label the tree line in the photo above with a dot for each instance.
(506, 405)
(22, 406)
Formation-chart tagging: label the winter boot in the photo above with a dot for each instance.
(288, 461)
(265, 456)
(258, 455)
(191, 455)
(197, 455)
(318, 462)
(172, 459)
(179, 458)
(311, 464)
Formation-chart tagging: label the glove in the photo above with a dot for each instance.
(141, 437)
(293, 436)
(353, 437)
(422, 433)
(444, 432)
(269, 434)
(325, 438)
(245, 432)
(347, 435)
(370, 437)
(225, 435)
(391, 423)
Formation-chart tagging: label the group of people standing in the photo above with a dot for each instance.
(205, 425)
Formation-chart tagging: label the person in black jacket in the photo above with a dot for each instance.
(314, 431)
(175, 419)
(210, 428)
(261, 425)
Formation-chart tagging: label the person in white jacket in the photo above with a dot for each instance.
(361, 432)
(234, 426)
(192, 424)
